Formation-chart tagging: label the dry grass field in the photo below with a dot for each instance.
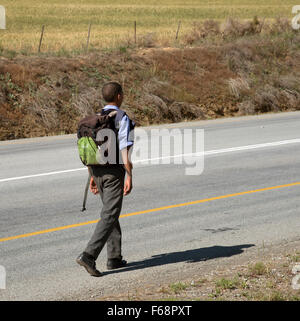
(67, 22)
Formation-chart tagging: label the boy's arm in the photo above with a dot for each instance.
(126, 138)
(126, 154)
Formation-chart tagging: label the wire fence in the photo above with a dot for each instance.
(89, 32)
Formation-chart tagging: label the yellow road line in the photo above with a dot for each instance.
(149, 211)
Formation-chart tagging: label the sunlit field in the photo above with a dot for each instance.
(112, 22)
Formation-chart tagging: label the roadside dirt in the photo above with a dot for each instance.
(258, 274)
(216, 77)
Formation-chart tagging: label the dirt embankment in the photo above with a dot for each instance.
(214, 75)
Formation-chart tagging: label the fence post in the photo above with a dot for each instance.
(41, 39)
(88, 37)
(177, 32)
(135, 32)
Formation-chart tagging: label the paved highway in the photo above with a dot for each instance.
(169, 219)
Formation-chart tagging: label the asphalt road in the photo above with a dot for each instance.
(41, 188)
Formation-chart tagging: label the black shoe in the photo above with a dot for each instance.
(115, 264)
(89, 264)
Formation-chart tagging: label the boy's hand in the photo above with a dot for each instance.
(127, 185)
(93, 187)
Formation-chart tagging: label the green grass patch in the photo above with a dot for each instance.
(178, 287)
(258, 268)
(227, 284)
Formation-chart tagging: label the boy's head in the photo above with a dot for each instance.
(112, 93)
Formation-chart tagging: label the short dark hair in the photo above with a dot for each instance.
(111, 90)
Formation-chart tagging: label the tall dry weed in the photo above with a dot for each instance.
(87, 102)
(238, 86)
(235, 28)
(43, 105)
(201, 30)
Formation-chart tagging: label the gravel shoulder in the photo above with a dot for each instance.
(260, 273)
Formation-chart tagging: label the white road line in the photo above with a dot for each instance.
(42, 174)
(206, 153)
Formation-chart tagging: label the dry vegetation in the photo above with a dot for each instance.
(220, 69)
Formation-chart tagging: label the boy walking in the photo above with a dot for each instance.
(110, 182)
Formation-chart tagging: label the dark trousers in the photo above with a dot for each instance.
(110, 183)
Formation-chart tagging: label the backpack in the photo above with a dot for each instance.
(97, 138)
(90, 148)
